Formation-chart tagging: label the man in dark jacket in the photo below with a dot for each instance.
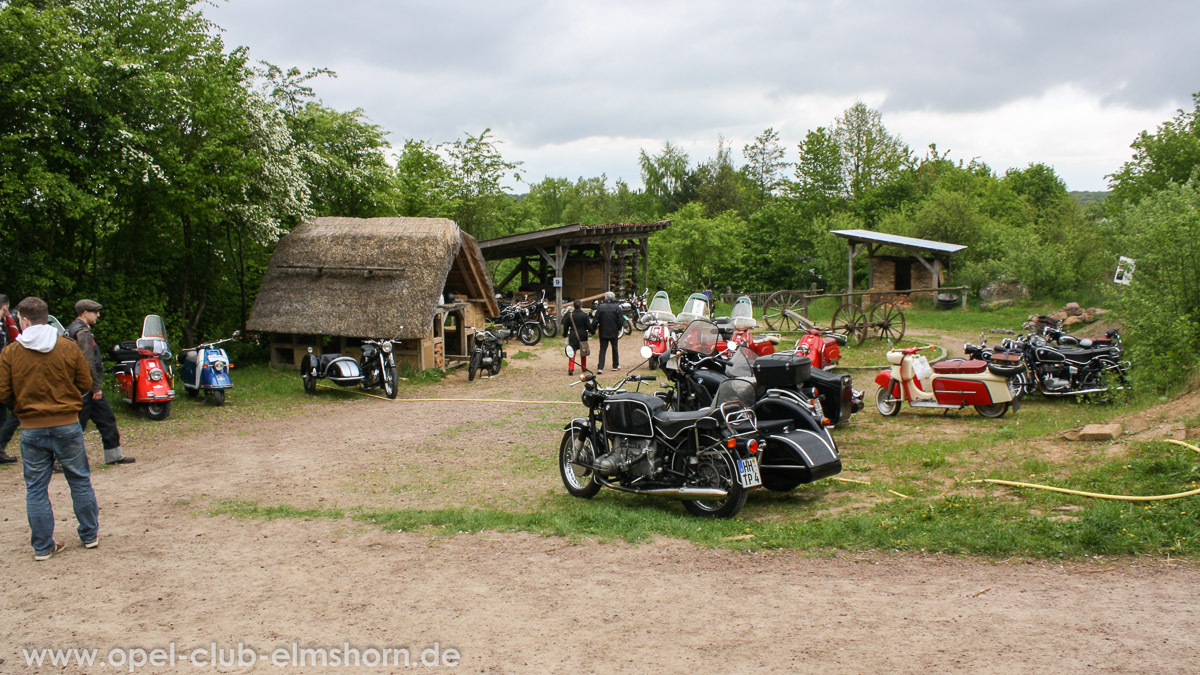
(608, 322)
(95, 406)
(42, 377)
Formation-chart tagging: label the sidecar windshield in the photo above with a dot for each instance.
(695, 308)
(154, 328)
(700, 337)
(660, 307)
(735, 389)
(743, 314)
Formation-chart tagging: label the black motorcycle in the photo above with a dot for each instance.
(697, 369)
(375, 368)
(1055, 370)
(517, 320)
(488, 353)
(630, 442)
(540, 313)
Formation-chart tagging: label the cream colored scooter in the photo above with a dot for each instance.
(956, 384)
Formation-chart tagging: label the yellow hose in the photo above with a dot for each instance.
(1097, 495)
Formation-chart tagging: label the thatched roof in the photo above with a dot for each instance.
(359, 277)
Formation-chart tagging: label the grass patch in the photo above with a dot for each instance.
(241, 508)
(521, 355)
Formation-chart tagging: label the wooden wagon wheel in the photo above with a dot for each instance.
(851, 320)
(786, 311)
(888, 320)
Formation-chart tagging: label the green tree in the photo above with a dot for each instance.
(717, 184)
(696, 252)
(423, 182)
(764, 165)
(820, 180)
(343, 157)
(870, 154)
(666, 177)
(477, 174)
(1169, 156)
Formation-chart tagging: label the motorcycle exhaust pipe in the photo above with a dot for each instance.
(677, 493)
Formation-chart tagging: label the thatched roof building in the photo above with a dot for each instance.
(365, 278)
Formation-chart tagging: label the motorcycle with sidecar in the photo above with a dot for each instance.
(375, 368)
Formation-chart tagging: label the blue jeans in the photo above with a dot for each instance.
(39, 449)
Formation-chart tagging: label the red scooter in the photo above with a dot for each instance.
(145, 380)
(743, 323)
(658, 318)
(990, 388)
(823, 348)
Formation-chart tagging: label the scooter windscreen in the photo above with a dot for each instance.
(741, 363)
(742, 316)
(660, 307)
(699, 337)
(154, 335)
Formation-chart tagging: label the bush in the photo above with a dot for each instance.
(1162, 235)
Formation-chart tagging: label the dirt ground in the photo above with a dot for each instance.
(168, 574)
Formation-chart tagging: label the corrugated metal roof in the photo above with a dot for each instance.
(897, 240)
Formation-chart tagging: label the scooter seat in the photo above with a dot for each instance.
(189, 355)
(959, 367)
(671, 423)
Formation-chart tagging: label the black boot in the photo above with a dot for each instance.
(6, 459)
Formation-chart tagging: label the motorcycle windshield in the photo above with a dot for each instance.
(743, 314)
(696, 307)
(660, 307)
(154, 328)
(700, 337)
(741, 364)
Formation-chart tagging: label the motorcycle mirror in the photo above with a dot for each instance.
(237, 333)
(646, 351)
(570, 352)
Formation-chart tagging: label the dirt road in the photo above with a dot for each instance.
(168, 573)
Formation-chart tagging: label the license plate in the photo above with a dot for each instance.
(748, 474)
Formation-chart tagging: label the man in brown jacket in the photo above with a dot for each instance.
(43, 377)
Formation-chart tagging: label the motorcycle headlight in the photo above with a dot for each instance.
(219, 366)
(386, 347)
(156, 375)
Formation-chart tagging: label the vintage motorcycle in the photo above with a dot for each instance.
(1071, 371)
(992, 389)
(144, 378)
(545, 318)
(631, 443)
(205, 368)
(375, 368)
(823, 347)
(488, 353)
(637, 310)
(658, 335)
(517, 320)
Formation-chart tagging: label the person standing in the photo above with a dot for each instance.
(43, 378)
(576, 325)
(95, 406)
(8, 421)
(609, 321)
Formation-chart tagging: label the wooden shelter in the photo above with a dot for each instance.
(587, 259)
(334, 281)
(890, 273)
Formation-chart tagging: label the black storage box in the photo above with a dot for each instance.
(781, 370)
(836, 391)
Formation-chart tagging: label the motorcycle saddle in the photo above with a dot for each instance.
(1082, 355)
(672, 423)
(959, 367)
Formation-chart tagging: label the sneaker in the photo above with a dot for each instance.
(58, 546)
(616, 368)
(123, 460)
(92, 544)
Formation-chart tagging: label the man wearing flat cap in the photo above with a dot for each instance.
(95, 406)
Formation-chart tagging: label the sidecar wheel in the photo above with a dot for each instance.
(718, 471)
(580, 482)
(217, 396)
(529, 333)
(887, 405)
(157, 411)
(993, 411)
(310, 382)
(389, 382)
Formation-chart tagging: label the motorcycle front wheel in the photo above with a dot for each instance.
(217, 396)
(157, 411)
(576, 446)
(389, 381)
(642, 321)
(885, 403)
(717, 471)
(310, 382)
(530, 333)
(549, 325)
(473, 366)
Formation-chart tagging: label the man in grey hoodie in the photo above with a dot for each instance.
(43, 378)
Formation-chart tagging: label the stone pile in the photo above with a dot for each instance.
(1070, 315)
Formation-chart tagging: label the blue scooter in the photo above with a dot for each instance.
(205, 368)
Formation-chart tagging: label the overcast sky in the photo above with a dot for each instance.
(577, 88)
